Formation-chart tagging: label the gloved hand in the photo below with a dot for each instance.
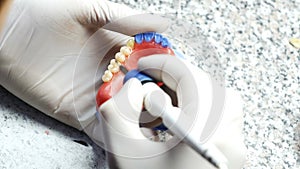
(48, 59)
(129, 148)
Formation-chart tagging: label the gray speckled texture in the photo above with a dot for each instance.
(248, 40)
(30, 139)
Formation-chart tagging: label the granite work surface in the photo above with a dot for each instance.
(248, 42)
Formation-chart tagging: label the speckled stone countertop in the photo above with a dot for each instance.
(30, 139)
(248, 42)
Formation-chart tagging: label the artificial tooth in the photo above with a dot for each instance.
(120, 57)
(125, 50)
(165, 43)
(149, 36)
(130, 43)
(109, 67)
(157, 38)
(113, 61)
(107, 76)
(139, 38)
(113, 68)
(108, 73)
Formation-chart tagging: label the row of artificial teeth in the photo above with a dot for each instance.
(149, 36)
(120, 57)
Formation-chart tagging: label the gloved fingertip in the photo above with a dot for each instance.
(133, 92)
(153, 65)
(139, 23)
(155, 61)
(133, 83)
(156, 102)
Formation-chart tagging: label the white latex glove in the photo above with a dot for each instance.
(128, 147)
(41, 60)
(203, 101)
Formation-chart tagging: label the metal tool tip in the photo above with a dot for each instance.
(123, 69)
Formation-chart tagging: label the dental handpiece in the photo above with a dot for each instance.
(170, 115)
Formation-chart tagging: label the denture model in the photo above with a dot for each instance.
(141, 45)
